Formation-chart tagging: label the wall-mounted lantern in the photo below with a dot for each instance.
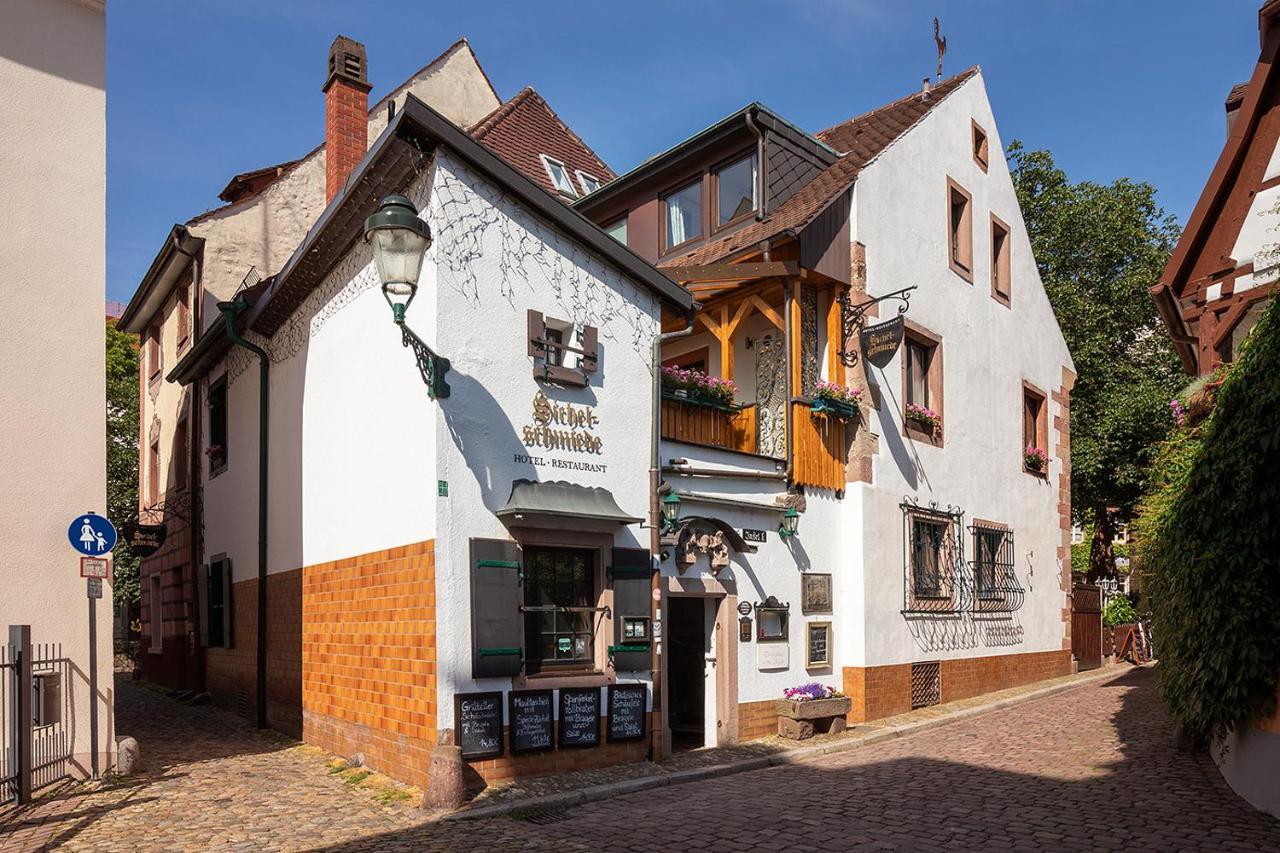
(400, 240)
(670, 510)
(790, 524)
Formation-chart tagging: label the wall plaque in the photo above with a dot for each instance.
(815, 594)
(627, 712)
(773, 655)
(144, 539)
(817, 644)
(532, 724)
(750, 535)
(478, 723)
(579, 717)
(881, 341)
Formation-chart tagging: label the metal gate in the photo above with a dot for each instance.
(1086, 625)
(35, 715)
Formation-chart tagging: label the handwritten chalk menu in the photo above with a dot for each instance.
(478, 721)
(579, 717)
(532, 727)
(626, 712)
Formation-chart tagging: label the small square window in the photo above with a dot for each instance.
(683, 214)
(590, 183)
(559, 176)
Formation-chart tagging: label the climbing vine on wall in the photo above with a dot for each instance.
(1208, 535)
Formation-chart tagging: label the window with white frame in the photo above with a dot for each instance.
(590, 183)
(559, 176)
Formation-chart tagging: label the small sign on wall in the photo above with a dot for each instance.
(750, 535)
(773, 655)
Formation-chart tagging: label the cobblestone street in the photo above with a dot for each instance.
(1090, 768)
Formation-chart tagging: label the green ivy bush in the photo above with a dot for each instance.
(1118, 611)
(1208, 540)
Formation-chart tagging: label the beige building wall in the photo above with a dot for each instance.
(52, 298)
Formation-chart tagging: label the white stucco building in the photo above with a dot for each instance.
(52, 426)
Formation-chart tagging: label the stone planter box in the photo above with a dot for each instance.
(802, 720)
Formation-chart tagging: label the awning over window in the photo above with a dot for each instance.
(537, 504)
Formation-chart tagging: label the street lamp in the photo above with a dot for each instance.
(400, 240)
(790, 524)
(670, 510)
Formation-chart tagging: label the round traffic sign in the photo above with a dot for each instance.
(91, 534)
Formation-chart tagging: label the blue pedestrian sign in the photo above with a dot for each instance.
(92, 534)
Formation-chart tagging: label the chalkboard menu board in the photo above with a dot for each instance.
(626, 712)
(579, 717)
(532, 723)
(478, 722)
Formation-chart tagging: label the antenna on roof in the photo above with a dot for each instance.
(941, 42)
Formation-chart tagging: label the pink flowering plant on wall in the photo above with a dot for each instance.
(809, 692)
(696, 385)
(839, 393)
(1035, 459)
(924, 416)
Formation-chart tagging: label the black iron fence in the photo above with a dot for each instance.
(35, 715)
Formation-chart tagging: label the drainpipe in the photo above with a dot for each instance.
(788, 299)
(761, 212)
(231, 310)
(658, 601)
(193, 464)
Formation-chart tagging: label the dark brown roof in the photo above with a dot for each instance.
(524, 128)
(1236, 96)
(248, 184)
(860, 139)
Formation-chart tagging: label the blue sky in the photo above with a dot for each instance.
(199, 91)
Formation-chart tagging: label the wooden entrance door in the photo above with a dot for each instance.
(1086, 625)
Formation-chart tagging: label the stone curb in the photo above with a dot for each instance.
(798, 755)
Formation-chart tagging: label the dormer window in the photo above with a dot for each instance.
(682, 214)
(559, 176)
(736, 190)
(590, 183)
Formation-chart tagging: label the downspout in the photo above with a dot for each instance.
(231, 310)
(761, 211)
(788, 299)
(193, 464)
(658, 597)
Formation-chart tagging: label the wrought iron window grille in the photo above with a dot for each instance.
(992, 571)
(854, 317)
(926, 684)
(933, 558)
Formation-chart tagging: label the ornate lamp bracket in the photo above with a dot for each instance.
(432, 367)
(853, 317)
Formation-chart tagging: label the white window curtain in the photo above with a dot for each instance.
(684, 214)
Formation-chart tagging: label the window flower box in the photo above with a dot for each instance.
(922, 417)
(1035, 460)
(811, 709)
(696, 386)
(836, 400)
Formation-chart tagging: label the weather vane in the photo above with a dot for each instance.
(941, 42)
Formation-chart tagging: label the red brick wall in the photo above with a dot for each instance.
(231, 673)
(757, 719)
(346, 132)
(878, 691)
(369, 658)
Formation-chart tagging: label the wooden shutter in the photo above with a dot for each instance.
(497, 625)
(202, 602)
(537, 329)
(591, 349)
(632, 574)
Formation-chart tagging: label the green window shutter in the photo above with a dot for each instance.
(227, 587)
(202, 602)
(632, 573)
(497, 625)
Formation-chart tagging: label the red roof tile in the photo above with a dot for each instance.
(524, 128)
(861, 140)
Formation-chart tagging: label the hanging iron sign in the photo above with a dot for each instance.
(144, 539)
(881, 341)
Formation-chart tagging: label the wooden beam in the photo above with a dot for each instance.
(767, 310)
(732, 272)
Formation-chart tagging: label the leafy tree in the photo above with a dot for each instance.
(1099, 247)
(122, 454)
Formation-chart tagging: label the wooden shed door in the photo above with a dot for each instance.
(1086, 625)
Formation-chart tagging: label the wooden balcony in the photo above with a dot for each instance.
(729, 428)
(820, 447)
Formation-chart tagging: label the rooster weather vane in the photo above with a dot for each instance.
(941, 42)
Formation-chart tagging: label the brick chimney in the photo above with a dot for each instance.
(346, 112)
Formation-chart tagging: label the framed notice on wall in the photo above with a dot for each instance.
(815, 593)
(817, 645)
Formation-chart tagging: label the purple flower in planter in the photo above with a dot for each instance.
(808, 692)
